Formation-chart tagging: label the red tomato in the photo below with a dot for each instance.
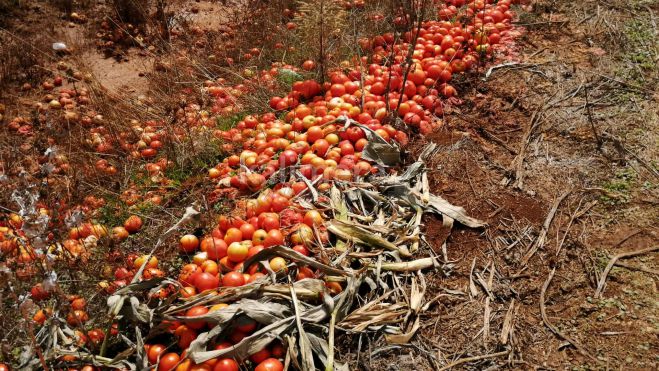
(232, 235)
(233, 279)
(196, 312)
(188, 274)
(226, 364)
(214, 247)
(270, 364)
(168, 362)
(274, 237)
(154, 352)
(247, 230)
(206, 281)
(189, 243)
(260, 356)
(133, 223)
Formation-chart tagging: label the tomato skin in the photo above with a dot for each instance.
(233, 279)
(226, 364)
(270, 364)
(215, 247)
(196, 312)
(154, 352)
(168, 362)
(206, 281)
(260, 356)
(189, 243)
(133, 224)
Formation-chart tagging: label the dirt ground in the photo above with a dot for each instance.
(558, 152)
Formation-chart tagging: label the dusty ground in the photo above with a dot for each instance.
(577, 113)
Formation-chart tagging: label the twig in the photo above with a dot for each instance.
(612, 262)
(487, 310)
(592, 121)
(576, 215)
(638, 268)
(496, 140)
(518, 161)
(508, 323)
(551, 327)
(474, 358)
(540, 241)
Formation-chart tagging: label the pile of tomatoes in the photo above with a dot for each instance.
(321, 135)
(316, 134)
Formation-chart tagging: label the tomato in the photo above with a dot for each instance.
(188, 274)
(246, 324)
(226, 364)
(259, 237)
(186, 336)
(215, 247)
(154, 352)
(201, 367)
(320, 147)
(119, 233)
(270, 364)
(233, 279)
(302, 234)
(187, 292)
(152, 263)
(279, 203)
(77, 317)
(233, 235)
(206, 281)
(78, 303)
(260, 356)
(210, 266)
(346, 148)
(247, 231)
(288, 158)
(237, 252)
(196, 312)
(312, 217)
(269, 221)
(278, 264)
(304, 272)
(168, 362)
(188, 243)
(301, 249)
(277, 349)
(275, 237)
(334, 287)
(314, 133)
(133, 224)
(255, 276)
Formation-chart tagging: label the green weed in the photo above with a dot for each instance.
(620, 186)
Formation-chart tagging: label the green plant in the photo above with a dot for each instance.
(619, 187)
